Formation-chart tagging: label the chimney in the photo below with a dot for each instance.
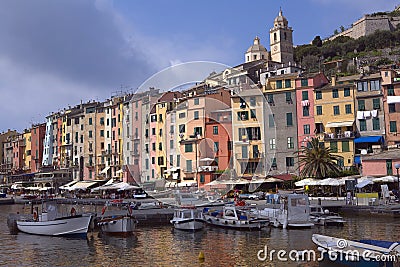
(333, 81)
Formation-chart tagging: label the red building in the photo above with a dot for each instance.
(216, 148)
(18, 145)
(37, 137)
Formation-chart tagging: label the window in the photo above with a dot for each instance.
(188, 147)
(101, 133)
(245, 152)
(289, 119)
(196, 101)
(171, 160)
(273, 163)
(375, 124)
(319, 110)
(333, 146)
(90, 121)
(335, 93)
(153, 160)
(288, 97)
(290, 143)
(376, 103)
(362, 86)
(196, 115)
(375, 85)
(279, 84)
(289, 161)
(271, 121)
(348, 108)
(346, 91)
(392, 108)
(306, 128)
(272, 144)
(393, 126)
(304, 95)
(160, 146)
(198, 131)
(160, 160)
(182, 128)
(90, 134)
(252, 101)
(288, 83)
(304, 82)
(345, 146)
(215, 129)
(306, 111)
(147, 164)
(270, 98)
(171, 144)
(153, 131)
(253, 114)
(182, 115)
(153, 146)
(178, 160)
(160, 118)
(242, 103)
(318, 95)
(361, 104)
(189, 165)
(336, 110)
(389, 167)
(390, 90)
(363, 125)
(216, 147)
(243, 115)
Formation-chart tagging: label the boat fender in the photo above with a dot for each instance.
(73, 211)
(35, 216)
(226, 222)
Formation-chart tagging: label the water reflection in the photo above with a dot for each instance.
(164, 246)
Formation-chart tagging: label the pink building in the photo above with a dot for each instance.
(37, 138)
(305, 88)
(381, 164)
(153, 143)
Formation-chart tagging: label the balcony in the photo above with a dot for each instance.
(339, 136)
(207, 168)
(89, 165)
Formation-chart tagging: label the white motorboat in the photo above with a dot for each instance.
(357, 253)
(233, 217)
(294, 212)
(117, 225)
(319, 216)
(188, 219)
(48, 224)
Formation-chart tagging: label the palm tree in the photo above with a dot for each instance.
(317, 161)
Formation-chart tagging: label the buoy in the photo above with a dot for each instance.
(201, 256)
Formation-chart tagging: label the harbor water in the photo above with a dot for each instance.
(163, 246)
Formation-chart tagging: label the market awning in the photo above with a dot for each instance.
(68, 185)
(369, 139)
(81, 186)
(339, 124)
(104, 171)
(364, 183)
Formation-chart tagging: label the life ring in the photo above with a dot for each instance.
(35, 216)
(73, 211)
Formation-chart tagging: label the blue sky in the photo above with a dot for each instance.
(57, 53)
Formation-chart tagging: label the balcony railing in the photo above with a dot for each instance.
(344, 135)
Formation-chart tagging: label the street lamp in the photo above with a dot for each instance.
(397, 166)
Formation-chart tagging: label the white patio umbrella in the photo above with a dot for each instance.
(307, 181)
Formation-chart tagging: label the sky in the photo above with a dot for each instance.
(55, 54)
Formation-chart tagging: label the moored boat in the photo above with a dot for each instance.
(357, 253)
(294, 212)
(233, 217)
(324, 217)
(48, 224)
(117, 225)
(188, 219)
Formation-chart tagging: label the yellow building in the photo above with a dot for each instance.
(248, 132)
(335, 117)
(27, 150)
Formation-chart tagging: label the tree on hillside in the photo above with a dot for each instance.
(316, 160)
(317, 41)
